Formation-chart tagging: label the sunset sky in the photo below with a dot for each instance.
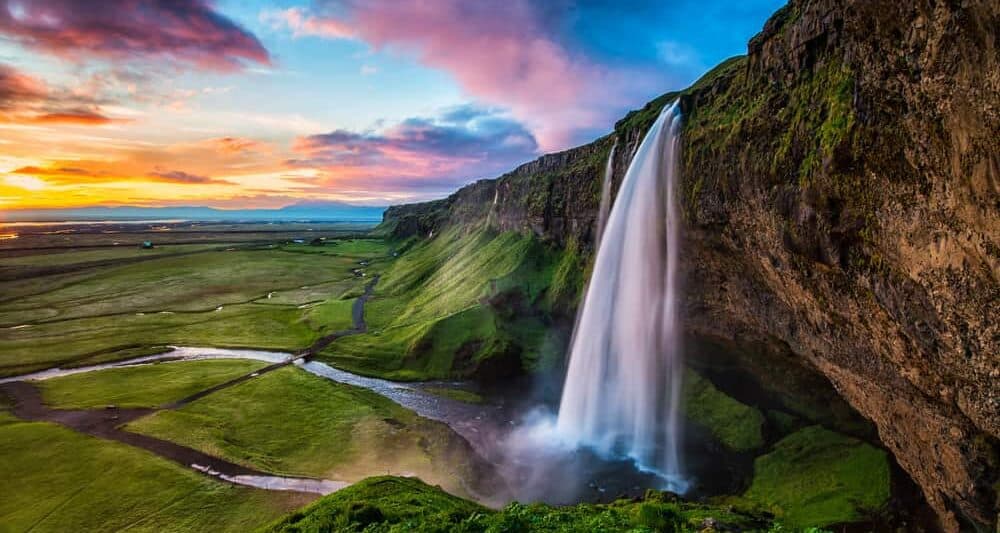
(240, 103)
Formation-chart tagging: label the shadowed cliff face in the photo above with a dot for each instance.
(842, 194)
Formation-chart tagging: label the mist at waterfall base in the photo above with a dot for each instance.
(618, 427)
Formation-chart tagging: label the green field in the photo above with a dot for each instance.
(58, 480)
(142, 386)
(290, 422)
(269, 297)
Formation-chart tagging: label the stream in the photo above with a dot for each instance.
(532, 471)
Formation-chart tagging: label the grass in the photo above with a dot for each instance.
(81, 256)
(816, 477)
(739, 427)
(216, 298)
(291, 422)
(142, 386)
(58, 480)
(443, 308)
(393, 504)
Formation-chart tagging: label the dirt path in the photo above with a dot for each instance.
(357, 316)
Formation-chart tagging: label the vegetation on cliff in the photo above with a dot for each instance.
(392, 504)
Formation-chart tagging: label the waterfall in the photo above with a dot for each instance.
(622, 391)
(602, 214)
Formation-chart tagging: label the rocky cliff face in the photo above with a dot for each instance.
(842, 196)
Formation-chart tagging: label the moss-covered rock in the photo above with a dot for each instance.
(815, 477)
(739, 427)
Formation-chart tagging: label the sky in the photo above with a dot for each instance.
(252, 103)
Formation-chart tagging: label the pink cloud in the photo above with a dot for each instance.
(419, 153)
(185, 31)
(302, 24)
(500, 53)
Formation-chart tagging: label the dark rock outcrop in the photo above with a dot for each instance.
(841, 188)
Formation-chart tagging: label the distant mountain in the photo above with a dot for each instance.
(311, 211)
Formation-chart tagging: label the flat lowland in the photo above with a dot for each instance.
(290, 422)
(95, 302)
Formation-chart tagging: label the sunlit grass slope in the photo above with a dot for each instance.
(460, 302)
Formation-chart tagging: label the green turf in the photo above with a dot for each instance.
(737, 426)
(142, 386)
(84, 255)
(211, 298)
(392, 504)
(816, 477)
(57, 480)
(291, 422)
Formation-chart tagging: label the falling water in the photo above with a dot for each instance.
(609, 171)
(622, 391)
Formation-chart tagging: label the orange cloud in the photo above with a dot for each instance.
(84, 118)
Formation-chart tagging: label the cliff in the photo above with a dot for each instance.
(841, 188)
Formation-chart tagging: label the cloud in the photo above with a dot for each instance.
(177, 176)
(60, 171)
(187, 32)
(25, 99)
(461, 143)
(505, 53)
(302, 24)
(237, 145)
(17, 88)
(80, 117)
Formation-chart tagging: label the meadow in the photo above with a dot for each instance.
(112, 303)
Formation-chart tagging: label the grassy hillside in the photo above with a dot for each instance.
(465, 302)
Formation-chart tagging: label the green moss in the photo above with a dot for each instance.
(568, 280)
(737, 426)
(816, 477)
(388, 504)
(381, 501)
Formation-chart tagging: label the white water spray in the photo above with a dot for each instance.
(622, 392)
